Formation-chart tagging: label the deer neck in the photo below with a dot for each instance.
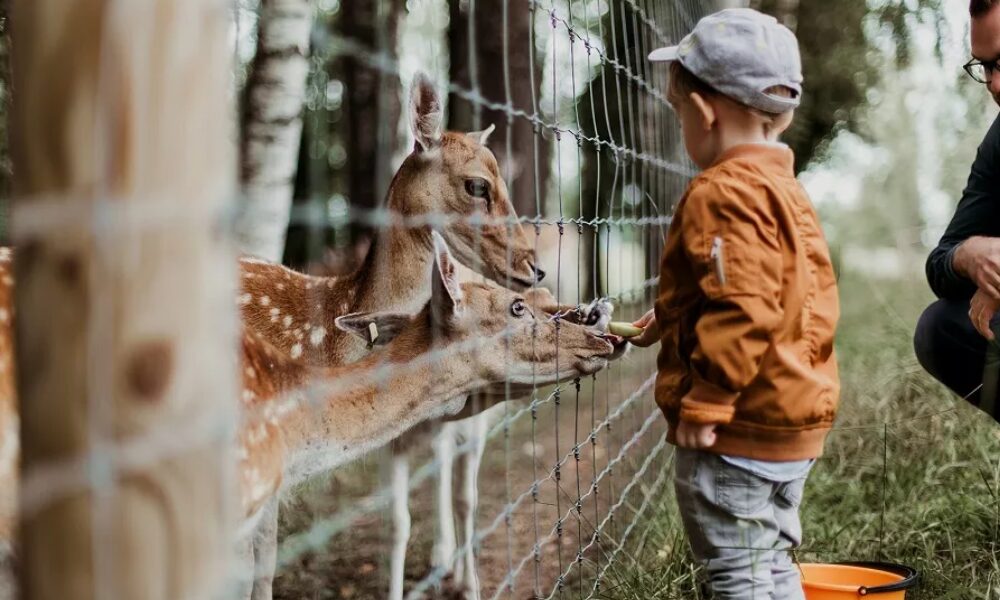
(395, 276)
(356, 418)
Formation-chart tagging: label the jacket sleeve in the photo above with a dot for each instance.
(731, 238)
(978, 213)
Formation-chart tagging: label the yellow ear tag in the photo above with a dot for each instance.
(373, 331)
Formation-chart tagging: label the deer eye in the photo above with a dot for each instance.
(517, 308)
(477, 188)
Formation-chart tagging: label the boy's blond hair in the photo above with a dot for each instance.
(683, 83)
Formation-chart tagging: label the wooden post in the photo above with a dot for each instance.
(122, 145)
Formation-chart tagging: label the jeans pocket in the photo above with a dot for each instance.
(740, 492)
(789, 494)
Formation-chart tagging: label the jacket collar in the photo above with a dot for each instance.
(775, 156)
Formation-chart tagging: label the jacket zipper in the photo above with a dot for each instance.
(720, 265)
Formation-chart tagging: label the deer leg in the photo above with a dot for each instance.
(470, 491)
(443, 554)
(245, 568)
(401, 521)
(265, 546)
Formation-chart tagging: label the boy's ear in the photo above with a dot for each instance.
(782, 122)
(706, 112)
(375, 328)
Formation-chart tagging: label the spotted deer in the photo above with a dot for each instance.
(299, 420)
(448, 175)
(452, 176)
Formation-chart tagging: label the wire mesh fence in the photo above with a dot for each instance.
(560, 476)
(534, 480)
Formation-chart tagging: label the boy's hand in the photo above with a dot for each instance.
(692, 435)
(650, 330)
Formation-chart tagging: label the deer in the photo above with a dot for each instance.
(299, 420)
(453, 175)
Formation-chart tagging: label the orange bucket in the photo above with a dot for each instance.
(849, 581)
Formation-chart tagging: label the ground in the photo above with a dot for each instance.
(910, 475)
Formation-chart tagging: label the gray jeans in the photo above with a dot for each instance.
(741, 527)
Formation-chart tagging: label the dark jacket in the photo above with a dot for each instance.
(978, 213)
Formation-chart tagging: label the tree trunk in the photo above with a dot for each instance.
(372, 105)
(272, 125)
(479, 63)
(121, 140)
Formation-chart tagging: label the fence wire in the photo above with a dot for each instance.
(602, 128)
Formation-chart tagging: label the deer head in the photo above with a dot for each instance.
(456, 175)
(494, 330)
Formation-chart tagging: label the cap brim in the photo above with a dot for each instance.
(663, 54)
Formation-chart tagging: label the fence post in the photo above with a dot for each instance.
(122, 141)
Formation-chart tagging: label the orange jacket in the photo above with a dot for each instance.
(747, 310)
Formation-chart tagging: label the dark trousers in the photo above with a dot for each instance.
(949, 348)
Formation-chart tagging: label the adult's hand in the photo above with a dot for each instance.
(981, 309)
(978, 258)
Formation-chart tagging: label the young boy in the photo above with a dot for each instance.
(747, 308)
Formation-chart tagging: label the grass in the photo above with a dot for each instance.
(910, 475)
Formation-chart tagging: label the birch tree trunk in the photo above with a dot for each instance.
(272, 125)
(121, 140)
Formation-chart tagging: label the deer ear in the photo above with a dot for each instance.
(426, 117)
(482, 136)
(375, 328)
(446, 293)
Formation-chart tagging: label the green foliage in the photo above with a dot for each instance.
(840, 62)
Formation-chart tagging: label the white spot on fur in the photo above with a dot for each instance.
(4, 315)
(286, 321)
(251, 373)
(8, 280)
(330, 282)
(296, 351)
(248, 395)
(275, 312)
(281, 286)
(265, 301)
(317, 335)
(244, 299)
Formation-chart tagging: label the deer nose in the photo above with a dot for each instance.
(539, 274)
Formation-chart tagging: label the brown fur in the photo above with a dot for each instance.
(356, 403)
(290, 309)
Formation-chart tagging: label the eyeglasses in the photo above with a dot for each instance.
(982, 70)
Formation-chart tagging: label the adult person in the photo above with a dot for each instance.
(964, 269)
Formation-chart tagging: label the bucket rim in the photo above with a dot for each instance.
(910, 577)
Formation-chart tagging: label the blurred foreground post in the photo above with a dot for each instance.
(122, 144)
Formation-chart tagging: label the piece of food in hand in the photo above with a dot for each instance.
(623, 329)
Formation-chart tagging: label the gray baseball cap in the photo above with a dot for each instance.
(740, 52)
